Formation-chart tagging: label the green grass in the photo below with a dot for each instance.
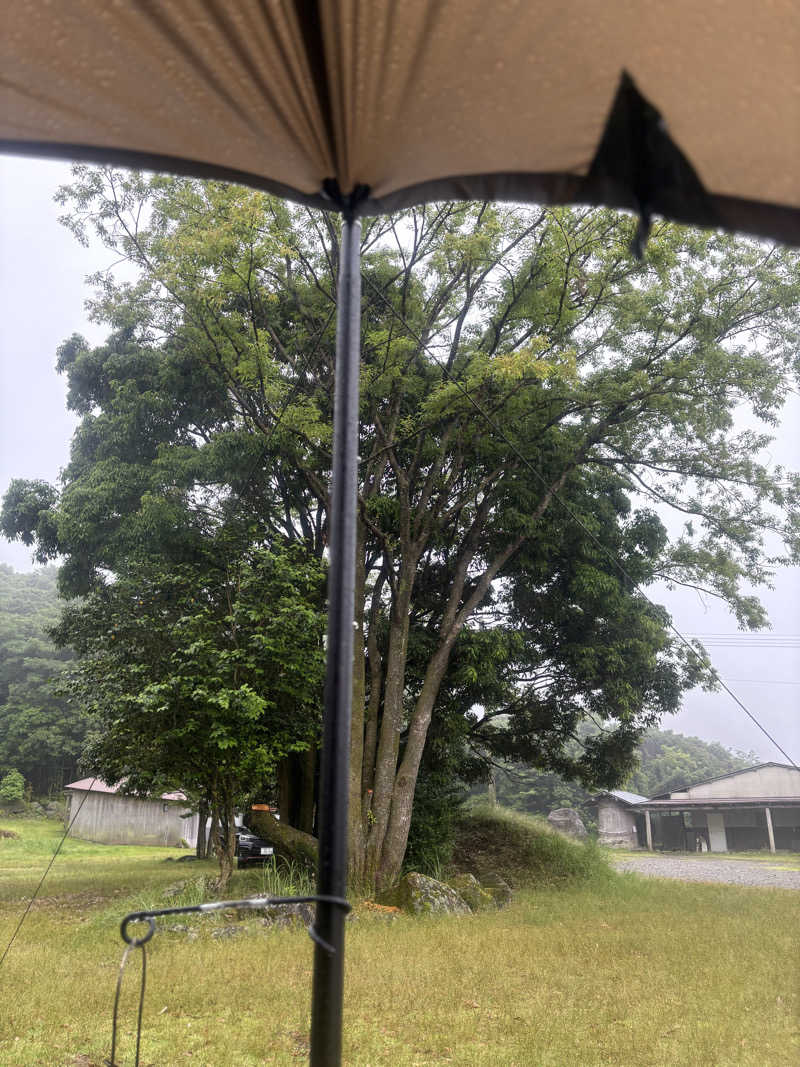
(82, 868)
(587, 970)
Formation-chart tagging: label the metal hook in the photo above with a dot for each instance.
(137, 917)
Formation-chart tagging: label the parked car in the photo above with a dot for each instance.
(250, 848)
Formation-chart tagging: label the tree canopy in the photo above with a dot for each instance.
(532, 398)
(201, 678)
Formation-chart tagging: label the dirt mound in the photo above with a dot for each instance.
(523, 850)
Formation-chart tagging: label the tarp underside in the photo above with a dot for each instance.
(418, 100)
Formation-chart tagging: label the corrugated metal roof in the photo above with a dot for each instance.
(92, 785)
(668, 800)
(625, 797)
(97, 785)
(683, 804)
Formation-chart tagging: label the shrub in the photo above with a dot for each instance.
(438, 805)
(12, 787)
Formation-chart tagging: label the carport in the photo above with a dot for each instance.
(722, 826)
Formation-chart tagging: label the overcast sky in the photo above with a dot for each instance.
(42, 293)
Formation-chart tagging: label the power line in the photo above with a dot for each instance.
(750, 640)
(750, 648)
(47, 871)
(704, 661)
(745, 640)
(754, 640)
(765, 681)
(749, 636)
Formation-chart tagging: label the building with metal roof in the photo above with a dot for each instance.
(97, 811)
(754, 808)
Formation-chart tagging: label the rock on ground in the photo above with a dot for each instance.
(567, 821)
(468, 887)
(420, 895)
(287, 914)
(497, 888)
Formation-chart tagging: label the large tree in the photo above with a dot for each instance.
(513, 361)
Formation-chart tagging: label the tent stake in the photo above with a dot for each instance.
(328, 983)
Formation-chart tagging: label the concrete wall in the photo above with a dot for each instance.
(120, 820)
(616, 825)
(760, 782)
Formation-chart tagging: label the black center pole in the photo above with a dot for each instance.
(328, 985)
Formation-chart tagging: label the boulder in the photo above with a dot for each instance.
(419, 895)
(568, 822)
(281, 915)
(468, 886)
(497, 888)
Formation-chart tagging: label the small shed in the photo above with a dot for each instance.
(619, 824)
(102, 813)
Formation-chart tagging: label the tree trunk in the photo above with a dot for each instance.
(213, 831)
(396, 837)
(307, 765)
(226, 839)
(289, 842)
(371, 734)
(285, 791)
(202, 819)
(392, 800)
(296, 789)
(375, 695)
(392, 721)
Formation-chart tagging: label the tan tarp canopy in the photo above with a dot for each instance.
(420, 99)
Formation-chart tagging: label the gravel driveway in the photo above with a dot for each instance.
(689, 869)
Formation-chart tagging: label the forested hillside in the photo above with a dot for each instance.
(669, 760)
(666, 761)
(40, 732)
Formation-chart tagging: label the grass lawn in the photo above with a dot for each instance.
(622, 971)
(82, 869)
